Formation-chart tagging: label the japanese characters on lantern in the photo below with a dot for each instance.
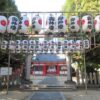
(87, 23)
(62, 24)
(12, 26)
(37, 23)
(50, 23)
(23, 24)
(74, 24)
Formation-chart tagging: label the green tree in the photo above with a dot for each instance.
(8, 5)
(16, 59)
(93, 55)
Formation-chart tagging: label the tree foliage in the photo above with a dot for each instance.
(86, 7)
(81, 5)
(9, 6)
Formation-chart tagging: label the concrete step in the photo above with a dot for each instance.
(50, 88)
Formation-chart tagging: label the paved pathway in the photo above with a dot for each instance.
(81, 95)
(48, 95)
(71, 95)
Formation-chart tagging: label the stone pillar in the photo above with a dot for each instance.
(68, 61)
(69, 71)
(28, 66)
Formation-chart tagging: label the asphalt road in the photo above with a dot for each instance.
(48, 95)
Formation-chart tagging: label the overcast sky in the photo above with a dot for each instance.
(39, 5)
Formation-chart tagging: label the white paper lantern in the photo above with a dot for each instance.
(18, 48)
(51, 44)
(71, 44)
(18, 42)
(37, 42)
(65, 45)
(87, 23)
(12, 45)
(24, 42)
(4, 42)
(37, 47)
(23, 24)
(78, 44)
(25, 48)
(86, 44)
(50, 23)
(37, 23)
(45, 45)
(45, 42)
(74, 24)
(31, 42)
(97, 23)
(58, 46)
(4, 45)
(62, 23)
(13, 22)
(31, 48)
(3, 24)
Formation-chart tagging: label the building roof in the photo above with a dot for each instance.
(49, 58)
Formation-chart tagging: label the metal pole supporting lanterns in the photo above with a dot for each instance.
(8, 71)
(9, 55)
(85, 72)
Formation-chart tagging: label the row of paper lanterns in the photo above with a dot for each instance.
(14, 24)
(32, 45)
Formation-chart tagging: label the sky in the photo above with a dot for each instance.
(39, 5)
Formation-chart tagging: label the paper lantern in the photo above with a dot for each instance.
(3, 24)
(31, 48)
(18, 42)
(12, 45)
(62, 23)
(58, 46)
(50, 23)
(87, 23)
(45, 45)
(18, 48)
(23, 24)
(13, 22)
(37, 47)
(86, 44)
(25, 48)
(4, 45)
(74, 24)
(24, 42)
(97, 23)
(65, 44)
(36, 23)
(51, 44)
(78, 44)
(31, 42)
(71, 44)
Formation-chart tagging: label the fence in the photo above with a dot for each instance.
(14, 79)
(92, 79)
